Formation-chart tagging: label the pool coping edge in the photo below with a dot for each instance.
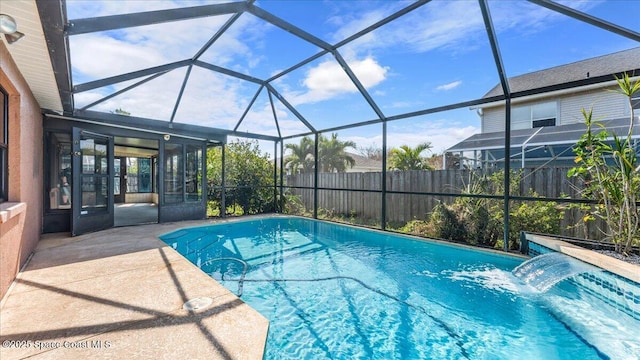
(618, 267)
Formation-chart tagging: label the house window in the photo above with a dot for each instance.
(520, 117)
(533, 116)
(635, 104)
(543, 115)
(4, 146)
(544, 122)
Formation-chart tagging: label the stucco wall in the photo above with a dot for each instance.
(20, 228)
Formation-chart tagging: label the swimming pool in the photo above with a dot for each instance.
(334, 291)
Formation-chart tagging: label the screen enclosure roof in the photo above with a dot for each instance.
(281, 69)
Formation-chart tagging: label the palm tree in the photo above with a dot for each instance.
(332, 154)
(301, 158)
(407, 158)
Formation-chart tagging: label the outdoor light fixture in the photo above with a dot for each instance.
(9, 28)
(167, 137)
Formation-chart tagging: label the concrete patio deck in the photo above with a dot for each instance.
(119, 293)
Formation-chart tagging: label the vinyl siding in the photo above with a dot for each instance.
(605, 104)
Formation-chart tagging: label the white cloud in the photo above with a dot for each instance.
(527, 18)
(260, 118)
(440, 137)
(235, 48)
(134, 48)
(441, 132)
(330, 77)
(453, 25)
(145, 100)
(427, 28)
(351, 23)
(402, 105)
(328, 80)
(85, 98)
(78, 9)
(97, 56)
(449, 86)
(210, 99)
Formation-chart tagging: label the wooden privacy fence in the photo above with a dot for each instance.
(401, 208)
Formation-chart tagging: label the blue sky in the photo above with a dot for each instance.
(433, 56)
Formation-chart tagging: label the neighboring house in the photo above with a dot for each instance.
(364, 164)
(545, 126)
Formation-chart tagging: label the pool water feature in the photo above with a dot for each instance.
(544, 271)
(334, 291)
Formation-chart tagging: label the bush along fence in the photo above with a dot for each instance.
(412, 198)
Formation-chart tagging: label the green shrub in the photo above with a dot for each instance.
(419, 228)
(611, 172)
(293, 205)
(482, 228)
(447, 224)
(480, 221)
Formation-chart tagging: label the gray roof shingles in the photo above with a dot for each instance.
(622, 61)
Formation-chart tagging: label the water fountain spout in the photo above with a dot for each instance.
(544, 271)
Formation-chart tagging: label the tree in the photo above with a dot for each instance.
(249, 176)
(120, 111)
(301, 158)
(371, 152)
(214, 169)
(407, 158)
(251, 173)
(332, 154)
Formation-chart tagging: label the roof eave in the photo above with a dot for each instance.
(53, 18)
(561, 89)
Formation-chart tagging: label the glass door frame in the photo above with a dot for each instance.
(91, 207)
(120, 178)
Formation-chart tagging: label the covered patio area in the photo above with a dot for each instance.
(119, 293)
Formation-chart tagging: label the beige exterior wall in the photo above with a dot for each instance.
(21, 217)
(140, 198)
(606, 104)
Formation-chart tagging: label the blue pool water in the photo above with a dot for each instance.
(333, 291)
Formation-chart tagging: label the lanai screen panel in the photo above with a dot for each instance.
(429, 58)
(325, 64)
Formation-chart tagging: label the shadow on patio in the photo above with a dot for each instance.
(119, 293)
